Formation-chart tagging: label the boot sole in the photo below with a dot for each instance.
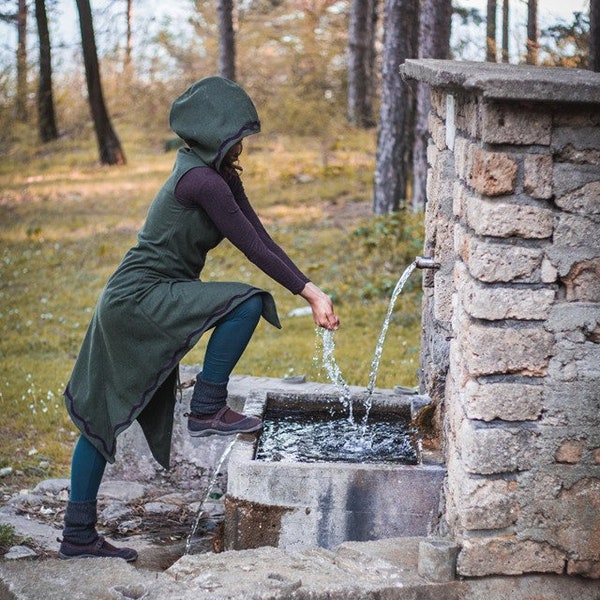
(207, 432)
(72, 556)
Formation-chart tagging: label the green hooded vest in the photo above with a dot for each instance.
(154, 308)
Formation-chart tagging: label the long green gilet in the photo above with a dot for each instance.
(152, 311)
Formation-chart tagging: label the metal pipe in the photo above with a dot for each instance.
(426, 262)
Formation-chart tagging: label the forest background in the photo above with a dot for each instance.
(66, 217)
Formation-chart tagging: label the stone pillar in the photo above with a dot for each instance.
(511, 344)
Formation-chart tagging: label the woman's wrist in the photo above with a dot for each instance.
(310, 291)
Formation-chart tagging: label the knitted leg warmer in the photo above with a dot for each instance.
(208, 397)
(80, 522)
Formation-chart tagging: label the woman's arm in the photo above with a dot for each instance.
(241, 198)
(204, 188)
(237, 221)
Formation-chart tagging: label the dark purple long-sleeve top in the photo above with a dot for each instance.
(226, 204)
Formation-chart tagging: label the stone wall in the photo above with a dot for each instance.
(511, 343)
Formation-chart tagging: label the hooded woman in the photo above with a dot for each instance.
(155, 307)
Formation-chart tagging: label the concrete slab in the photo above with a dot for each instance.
(507, 82)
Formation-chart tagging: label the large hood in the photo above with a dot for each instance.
(212, 115)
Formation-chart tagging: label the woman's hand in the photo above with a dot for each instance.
(321, 305)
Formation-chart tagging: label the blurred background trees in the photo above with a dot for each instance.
(314, 67)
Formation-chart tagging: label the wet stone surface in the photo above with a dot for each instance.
(155, 517)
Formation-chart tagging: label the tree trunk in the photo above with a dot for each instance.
(21, 99)
(505, 28)
(129, 39)
(45, 101)
(226, 39)
(109, 145)
(396, 124)
(594, 58)
(532, 32)
(434, 42)
(491, 52)
(361, 60)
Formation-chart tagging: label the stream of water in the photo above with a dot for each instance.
(209, 489)
(333, 370)
(386, 322)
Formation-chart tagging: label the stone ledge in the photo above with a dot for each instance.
(496, 81)
(354, 571)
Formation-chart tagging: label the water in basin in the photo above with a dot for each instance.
(322, 437)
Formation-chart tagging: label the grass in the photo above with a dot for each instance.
(65, 223)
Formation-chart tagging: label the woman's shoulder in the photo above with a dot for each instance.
(201, 179)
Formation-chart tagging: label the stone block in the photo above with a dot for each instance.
(582, 283)
(582, 317)
(492, 173)
(573, 402)
(498, 350)
(462, 157)
(515, 401)
(570, 451)
(507, 556)
(577, 231)
(492, 262)
(490, 450)
(467, 115)
(582, 201)
(507, 124)
(438, 102)
(487, 504)
(584, 568)
(578, 116)
(437, 560)
(442, 300)
(580, 156)
(446, 184)
(568, 177)
(432, 154)
(572, 361)
(538, 176)
(458, 195)
(563, 510)
(506, 219)
(578, 138)
(549, 273)
(494, 303)
(437, 130)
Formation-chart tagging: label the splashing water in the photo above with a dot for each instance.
(317, 437)
(384, 328)
(209, 489)
(333, 370)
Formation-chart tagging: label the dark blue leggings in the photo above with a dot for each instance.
(229, 340)
(225, 347)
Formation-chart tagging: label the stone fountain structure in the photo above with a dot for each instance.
(511, 320)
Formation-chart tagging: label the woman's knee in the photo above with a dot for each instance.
(251, 308)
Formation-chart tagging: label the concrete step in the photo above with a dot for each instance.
(381, 569)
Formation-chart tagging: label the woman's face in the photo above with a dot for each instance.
(234, 152)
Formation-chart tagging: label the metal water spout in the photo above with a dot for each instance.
(426, 262)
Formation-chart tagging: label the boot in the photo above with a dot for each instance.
(80, 538)
(210, 414)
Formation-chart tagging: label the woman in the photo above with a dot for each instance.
(154, 308)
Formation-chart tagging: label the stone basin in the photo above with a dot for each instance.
(297, 505)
